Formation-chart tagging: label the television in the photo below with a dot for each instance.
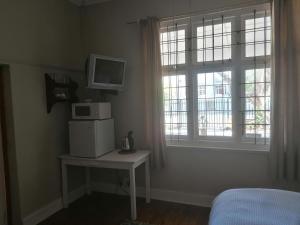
(106, 72)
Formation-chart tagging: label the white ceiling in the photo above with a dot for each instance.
(87, 2)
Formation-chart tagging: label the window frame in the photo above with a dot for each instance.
(236, 65)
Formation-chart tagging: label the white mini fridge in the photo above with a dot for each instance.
(91, 138)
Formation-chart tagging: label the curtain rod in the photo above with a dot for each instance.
(206, 12)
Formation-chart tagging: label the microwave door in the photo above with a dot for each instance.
(82, 111)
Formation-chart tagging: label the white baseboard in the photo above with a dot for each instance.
(53, 207)
(43, 213)
(159, 194)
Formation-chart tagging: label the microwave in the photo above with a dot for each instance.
(91, 111)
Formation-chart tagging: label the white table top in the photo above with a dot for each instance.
(113, 156)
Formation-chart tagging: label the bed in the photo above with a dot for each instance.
(256, 206)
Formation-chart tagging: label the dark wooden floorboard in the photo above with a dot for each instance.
(108, 209)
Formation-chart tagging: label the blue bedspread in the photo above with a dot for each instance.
(256, 207)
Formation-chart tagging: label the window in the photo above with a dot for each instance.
(256, 103)
(258, 35)
(173, 47)
(214, 41)
(214, 106)
(175, 108)
(217, 78)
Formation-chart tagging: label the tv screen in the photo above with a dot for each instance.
(106, 72)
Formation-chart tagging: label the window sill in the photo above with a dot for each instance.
(255, 149)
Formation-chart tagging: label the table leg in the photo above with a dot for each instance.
(64, 184)
(147, 179)
(132, 193)
(87, 181)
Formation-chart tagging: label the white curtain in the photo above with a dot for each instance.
(285, 138)
(153, 90)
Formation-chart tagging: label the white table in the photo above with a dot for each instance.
(112, 160)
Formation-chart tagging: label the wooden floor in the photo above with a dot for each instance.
(107, 209)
